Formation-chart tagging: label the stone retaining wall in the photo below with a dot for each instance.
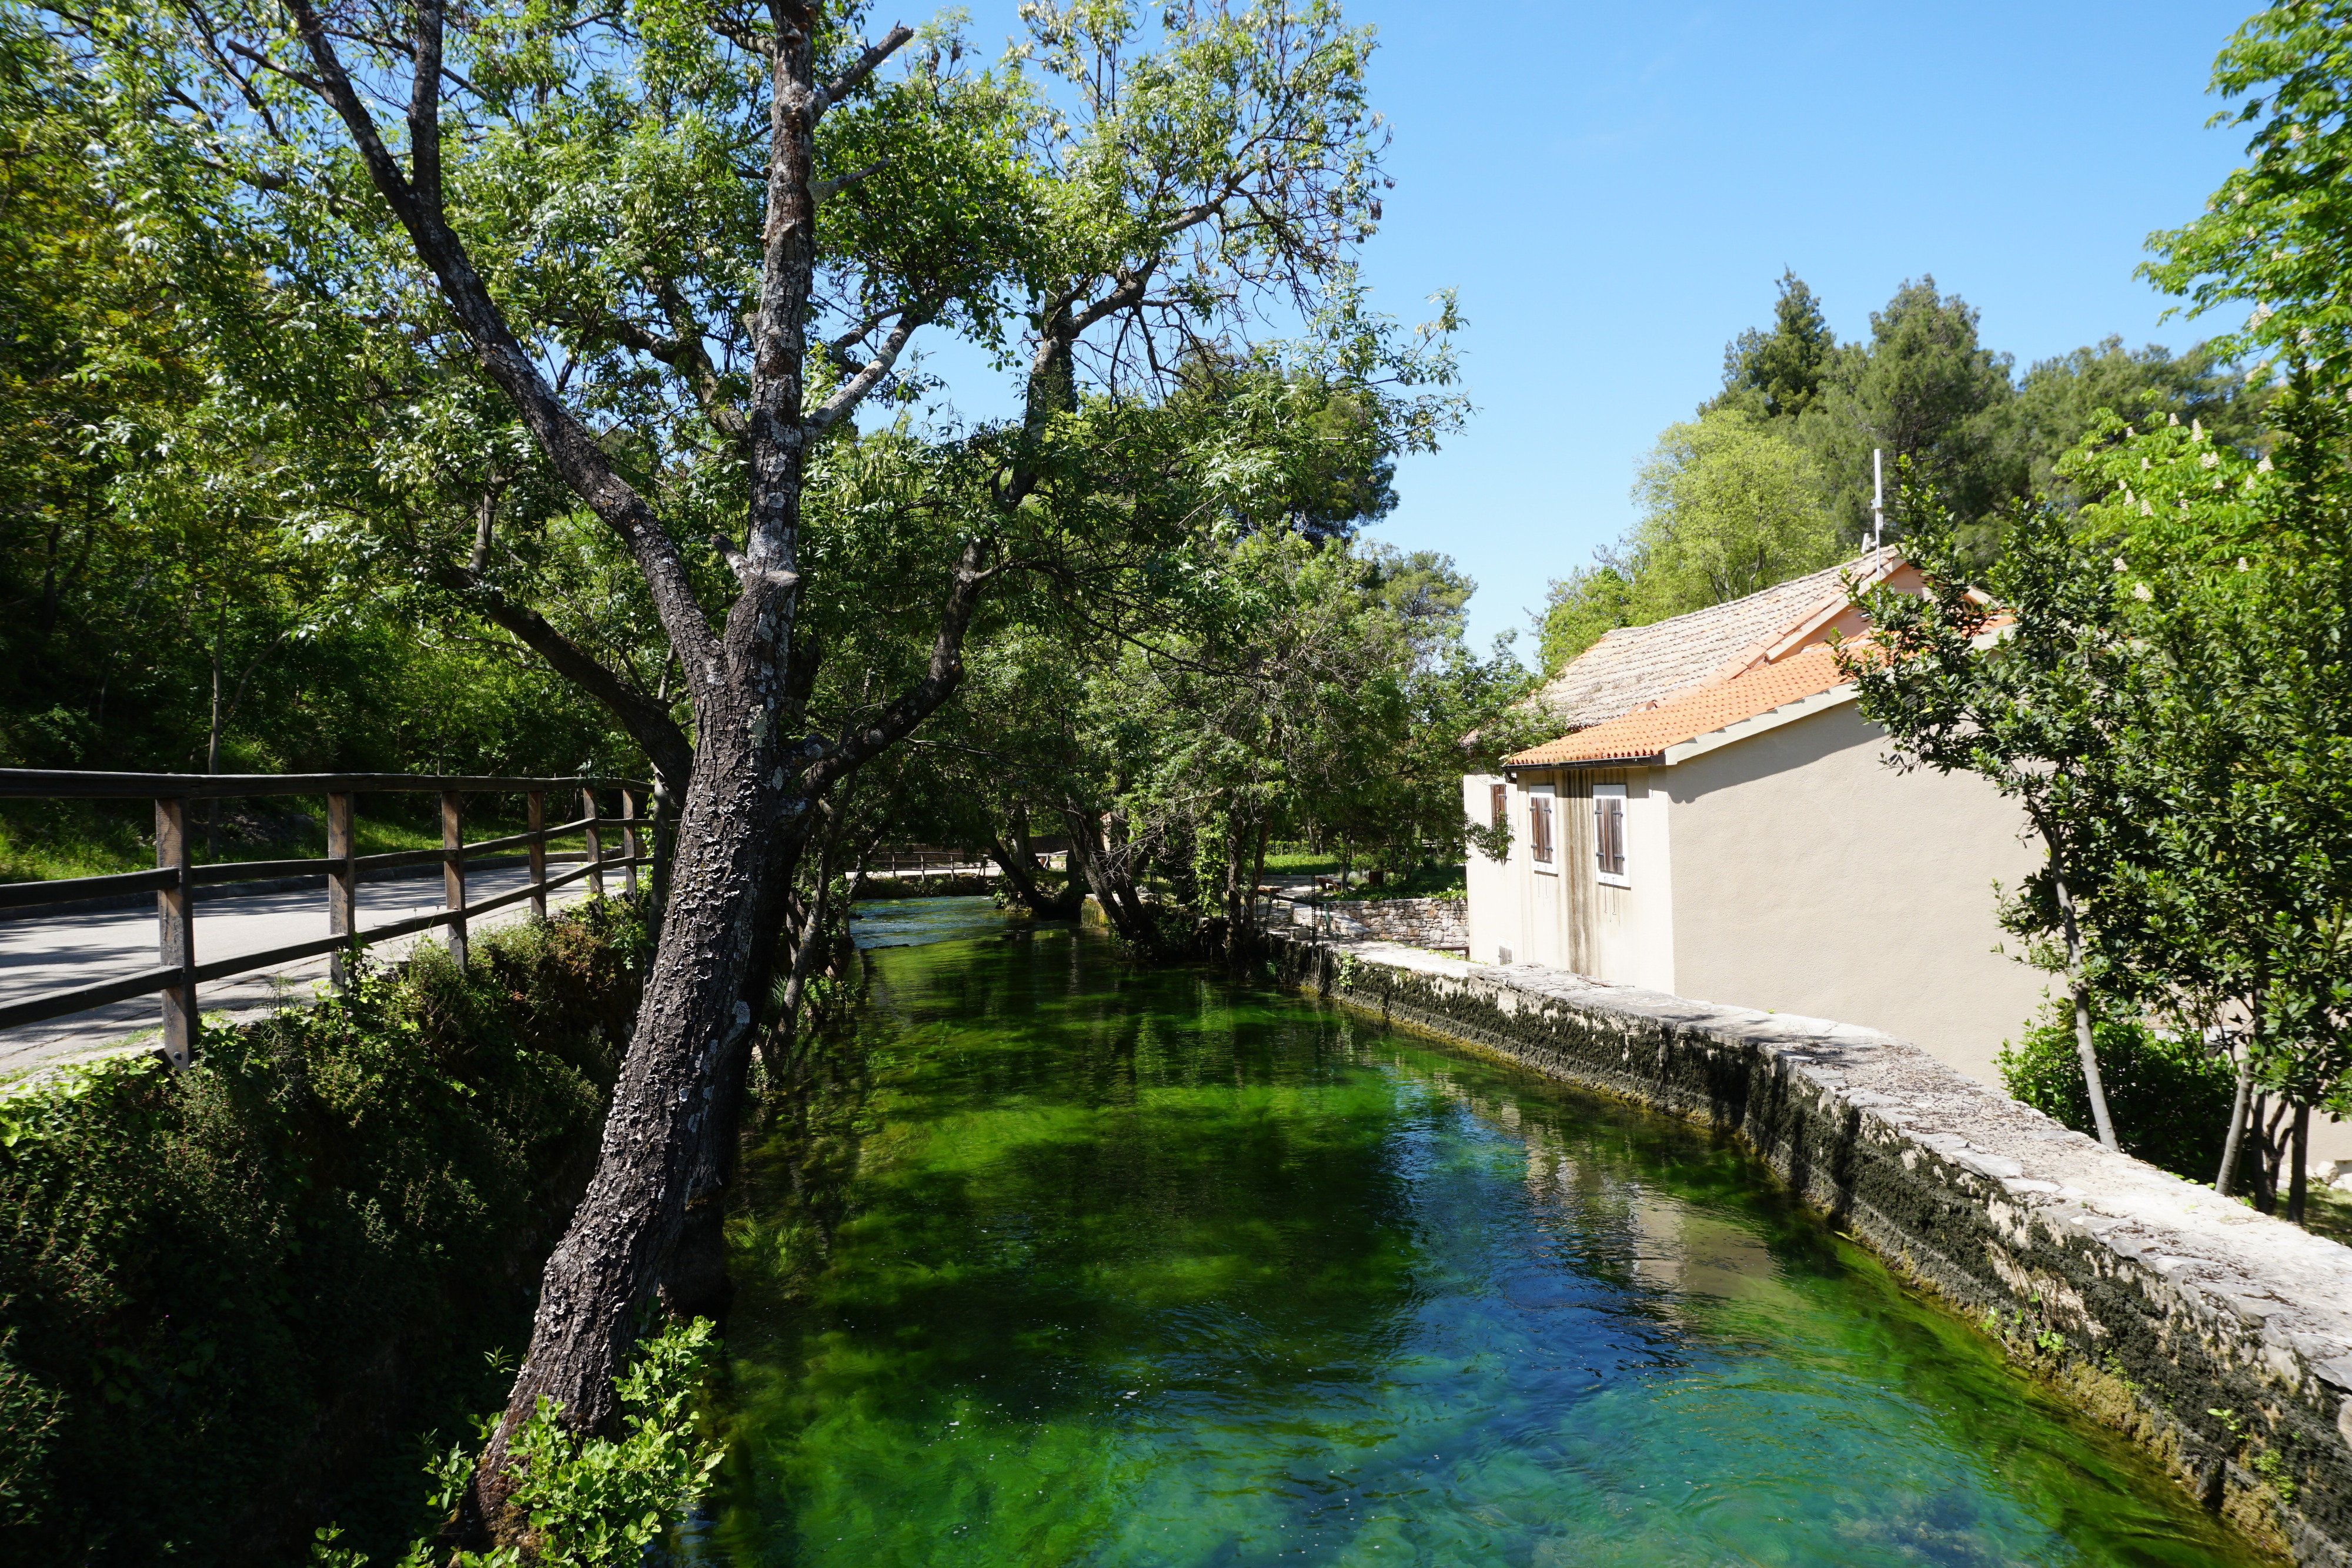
(2218, 1338)
(1412, 922)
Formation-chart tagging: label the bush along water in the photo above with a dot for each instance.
(2169, 1098)
(231, 1298)
(590, 1502)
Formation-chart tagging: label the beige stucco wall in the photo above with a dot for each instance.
(1493, 893)
(1629, 937)
(1811, 878)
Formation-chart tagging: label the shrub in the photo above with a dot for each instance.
(2169, 1098)
(592, 1502)
(226, 1296)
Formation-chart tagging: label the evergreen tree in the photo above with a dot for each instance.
(2059, 402)
(1925, 389)
(1778, 375)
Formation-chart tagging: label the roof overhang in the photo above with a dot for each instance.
(1512, 770)
(1700, 744)
(1770, 718)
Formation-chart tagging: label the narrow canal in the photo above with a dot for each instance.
(1110, 1265)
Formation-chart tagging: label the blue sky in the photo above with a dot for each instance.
(1613, 190)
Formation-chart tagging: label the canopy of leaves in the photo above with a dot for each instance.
(1728, 508)
(2277, 235)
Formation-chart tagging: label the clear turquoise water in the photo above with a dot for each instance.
(1142, 1267)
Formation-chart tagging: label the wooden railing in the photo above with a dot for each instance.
(176, 876)
(923, 859)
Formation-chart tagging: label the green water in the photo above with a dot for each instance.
(1142, 1267)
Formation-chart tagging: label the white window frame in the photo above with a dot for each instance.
(1544, 793)
(1625, 818)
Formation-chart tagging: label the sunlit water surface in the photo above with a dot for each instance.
(1138, 1266)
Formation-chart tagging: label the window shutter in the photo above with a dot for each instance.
(1499, 808)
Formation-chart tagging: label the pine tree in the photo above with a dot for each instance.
(1778, 375)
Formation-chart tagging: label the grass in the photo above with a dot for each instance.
(1421, 881)
(47, 840)
(2327, 1212)
(1303, 862)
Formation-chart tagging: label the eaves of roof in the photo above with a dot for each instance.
(1763, 698)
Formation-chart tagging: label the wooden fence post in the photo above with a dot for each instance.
(595, 843)
(629, 842)
(453, 870)
(176, 929)
(537, 799)
(342, 883)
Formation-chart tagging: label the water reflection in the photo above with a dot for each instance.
(915, 922)
(1140, 1267)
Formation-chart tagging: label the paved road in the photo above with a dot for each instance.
(39, 954)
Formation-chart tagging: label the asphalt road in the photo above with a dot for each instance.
(41, 953)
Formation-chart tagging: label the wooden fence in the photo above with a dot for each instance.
(176, 876)
(924, 860)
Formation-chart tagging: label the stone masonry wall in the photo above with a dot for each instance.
(2218, 1338)
(1412, 922)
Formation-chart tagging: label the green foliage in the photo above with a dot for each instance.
(1778, 374)
(1729, 507)
(2163, 683)
(2016, 683)
(1925, 391)
(599, 1502)
(2278, 233)
(235, 1281)
(592, 1502)
(2169, 1095)
(1731, 504)
(1580, 610)
(2060, 400)
(168, 600)
(2236, 583)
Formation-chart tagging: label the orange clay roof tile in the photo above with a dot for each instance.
(1636, 665)
(1648, 733)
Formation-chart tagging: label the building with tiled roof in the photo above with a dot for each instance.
(1717, 821)
(1636, 665)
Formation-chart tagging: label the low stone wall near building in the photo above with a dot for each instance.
(1434, 923)
(2218, 1338)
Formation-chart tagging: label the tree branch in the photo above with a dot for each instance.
(869, 376)
(425, 109)
(745, 572)
(825, 190)
(840, 87)
(570, 446)
(682, 350)
(648, 722)
(922, 699)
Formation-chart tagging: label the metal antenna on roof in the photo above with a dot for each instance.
(1877, 501)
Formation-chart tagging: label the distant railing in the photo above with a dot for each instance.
(896, 861)
(176, 876)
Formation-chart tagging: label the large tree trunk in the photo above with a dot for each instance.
(1094, 860)
(1020, 876)
(677, 1098)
